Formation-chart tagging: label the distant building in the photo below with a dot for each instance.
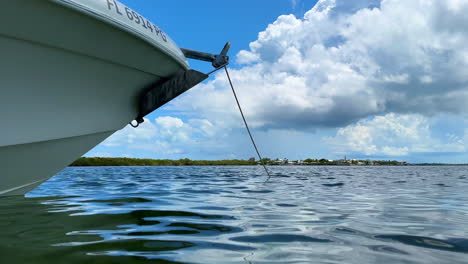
(280, 161)
(295, 162)
(343, 162)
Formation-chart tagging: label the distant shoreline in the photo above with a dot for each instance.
(103, 162)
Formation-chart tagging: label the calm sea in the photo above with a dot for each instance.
(231, 215)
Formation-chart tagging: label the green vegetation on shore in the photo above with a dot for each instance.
(96, 161)
(99, 161)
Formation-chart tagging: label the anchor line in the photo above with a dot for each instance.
(245, 123)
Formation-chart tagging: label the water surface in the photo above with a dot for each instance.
(230, 215)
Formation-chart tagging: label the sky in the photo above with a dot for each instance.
(368, 79)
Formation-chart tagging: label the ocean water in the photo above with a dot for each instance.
(231, 215)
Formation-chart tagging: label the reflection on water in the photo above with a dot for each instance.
(229, 215)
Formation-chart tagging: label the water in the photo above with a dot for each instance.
(229, 215)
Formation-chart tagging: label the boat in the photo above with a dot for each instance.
(72, 72)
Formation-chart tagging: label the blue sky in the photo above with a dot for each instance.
(207, 25)
(365, 78)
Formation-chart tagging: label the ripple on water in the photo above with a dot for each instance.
(281, 238)
(286, 205)
(207, 227)
(387, 249)
(231, 215)
(257, 191)
(451, 244)
(338, 184)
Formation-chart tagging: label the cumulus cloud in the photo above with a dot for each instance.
(165, 135)
(394, 135)
(345, 61)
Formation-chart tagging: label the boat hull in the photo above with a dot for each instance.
(68, 80)
(28, 165)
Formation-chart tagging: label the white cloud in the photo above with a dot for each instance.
(166, 135)
(246, 57)
(145, 137)
(394, 135)
(344, 61)
(173, 129)
(99, 154)
(130, 135)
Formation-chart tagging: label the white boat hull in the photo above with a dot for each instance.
(68, 79)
